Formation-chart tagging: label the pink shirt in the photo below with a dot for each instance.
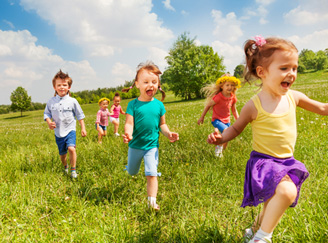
(102, 117)
(221, 110)
(116, 111)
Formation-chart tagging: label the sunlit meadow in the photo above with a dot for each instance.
(199, 194)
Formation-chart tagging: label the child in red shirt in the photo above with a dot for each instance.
(221, 98)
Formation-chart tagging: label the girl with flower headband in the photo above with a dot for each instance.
(102, 118)
(145, 117)
(273, 176)
(221, 98)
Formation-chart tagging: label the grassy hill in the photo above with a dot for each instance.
(199, 194)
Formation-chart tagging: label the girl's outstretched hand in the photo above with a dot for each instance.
(126, 138)
(200, 121)
(215, 137)
(173, 136)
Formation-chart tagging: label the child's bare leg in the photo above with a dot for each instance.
(152, 188)
(116, 124)
(258, 220)
(284, 196)
(105, 133)
(63, 159)
(72, 156)
(100, 134)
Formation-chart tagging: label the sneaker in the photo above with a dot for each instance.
(248, 235)
(117, 134)
(218, 151)
(260, 241)
(73, 175)
(66, 171)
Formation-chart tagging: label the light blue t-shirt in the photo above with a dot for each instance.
(63, 111)
(146, 116)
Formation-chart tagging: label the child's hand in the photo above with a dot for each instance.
(200, 120)
(215, 137)
(83, 132)
(127, 138)
(52, 125)
(173, 136)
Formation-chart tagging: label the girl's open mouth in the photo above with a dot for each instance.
(285, 84)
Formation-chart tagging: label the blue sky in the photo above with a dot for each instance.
(100, 42)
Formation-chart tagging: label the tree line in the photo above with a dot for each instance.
(190, 67)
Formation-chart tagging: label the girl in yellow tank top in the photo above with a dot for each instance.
(273, 176)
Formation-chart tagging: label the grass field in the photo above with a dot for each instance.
(199, 194)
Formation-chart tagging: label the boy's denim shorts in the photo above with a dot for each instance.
(104, 128)
(150, 160)
(65, 142)
(220, 125)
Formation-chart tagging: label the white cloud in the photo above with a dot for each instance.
(10, 24)
(158, 55)
(228, 28)
(101, 27)
(23, 63)
(233, 54)
(184, 13)
(261, 11)
(123, 72)
(315, 41)
(309, 13)
(167, 5)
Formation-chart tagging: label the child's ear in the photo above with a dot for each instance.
(136, 83)
(260, 71)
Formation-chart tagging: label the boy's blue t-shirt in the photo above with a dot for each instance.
(146, 116)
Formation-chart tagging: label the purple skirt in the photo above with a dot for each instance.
(263, 174)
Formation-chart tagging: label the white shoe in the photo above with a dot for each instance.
(74, 175)
(117, 134)
(218, 151)
(248, 235)
(66, 171)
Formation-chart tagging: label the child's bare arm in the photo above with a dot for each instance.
(234, 111)
(122, 112)
(83, 131)
(172, 136)
(306, 103)
(207, 107)
(128, 128)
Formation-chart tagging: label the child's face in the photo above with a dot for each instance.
(117, 101)
(61, 87)
(279, 76)
(228, 88)
(147, 84)
(104, 104)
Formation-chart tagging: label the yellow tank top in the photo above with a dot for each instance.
(274, 134)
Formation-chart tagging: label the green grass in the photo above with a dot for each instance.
(199, 194)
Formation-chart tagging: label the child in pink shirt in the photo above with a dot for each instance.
(116, 109)
(102, 118)
(221, 97)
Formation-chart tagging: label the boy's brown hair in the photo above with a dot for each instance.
(63, 76)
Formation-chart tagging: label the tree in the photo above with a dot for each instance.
(307, 57)
(191, 67)
(239, 70)
(20, 100)
(321, 60)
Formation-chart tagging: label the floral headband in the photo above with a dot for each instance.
(259, 41)
(102, 99)
(231, 79)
